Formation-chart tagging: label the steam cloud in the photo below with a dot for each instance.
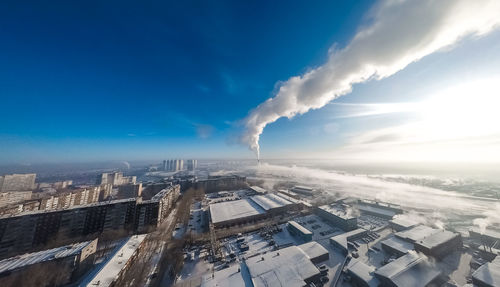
(401, 32)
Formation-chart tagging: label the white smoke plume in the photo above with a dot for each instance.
(400, 32)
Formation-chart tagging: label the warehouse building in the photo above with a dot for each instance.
(304, 190)
(439, 244)
(228, 213)
(416, 233)
(488, 275)
(361, 274)
(340, 241)
(315, 252)
(488, 237)
(300, 231)
(379, 209)
(272, 203)
(71, 261)
(399, 224)
(408, 270)
(285, 267)
(339, 215)
(396, 246)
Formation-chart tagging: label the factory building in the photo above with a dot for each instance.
(488, 275)
(408, 270)
(71, 261)
(285, 267)
(247, 210)
(228, 213)
(315, 252)
(379, 209)
(399, 224)
(439, 244)
(487, 237)
(273, 204)
(396, 246)
(304, 190)
(340, 241)
(339, 215)
(361, 274)
(300, 231)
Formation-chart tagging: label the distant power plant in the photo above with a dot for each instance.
(174, 165)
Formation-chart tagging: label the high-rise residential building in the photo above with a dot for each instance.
(17, 182)
(191, 164)
(173, 165)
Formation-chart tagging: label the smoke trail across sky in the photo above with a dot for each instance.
(399, 32)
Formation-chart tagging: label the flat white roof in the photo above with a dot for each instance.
(403, 222)
(228, 277)
(115, 264)
(342, 239)
(489, 273)
(258, 189)
(409, 270)
(363, 272)
(337, 210)
(230, 210)
(27, 259)
(416, 233)
(376, 210)
(299, 227)
(290, 268)
(270, 201)
(437, 239)
(313, 249)
(398, 244)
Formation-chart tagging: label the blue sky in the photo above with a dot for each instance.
(125, 80)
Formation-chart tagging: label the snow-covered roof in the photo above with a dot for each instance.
(285, 267)
(489, 273)
(416, 233)
(437, 239)
(405, 223)
(398, 244)
(409, 270)
(228, 277)
(258, 189)
(376, 210)
(299, 227)
(270, 201)
(230, 210)
(342, 239)
(27, 259)
(363, 272)
(110, 270)
(313, 249)
(340, 211)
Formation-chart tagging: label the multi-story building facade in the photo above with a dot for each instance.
(26, 231)
(17, 182)
(115, 178)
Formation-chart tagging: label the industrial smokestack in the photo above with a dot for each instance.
(400, 32)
